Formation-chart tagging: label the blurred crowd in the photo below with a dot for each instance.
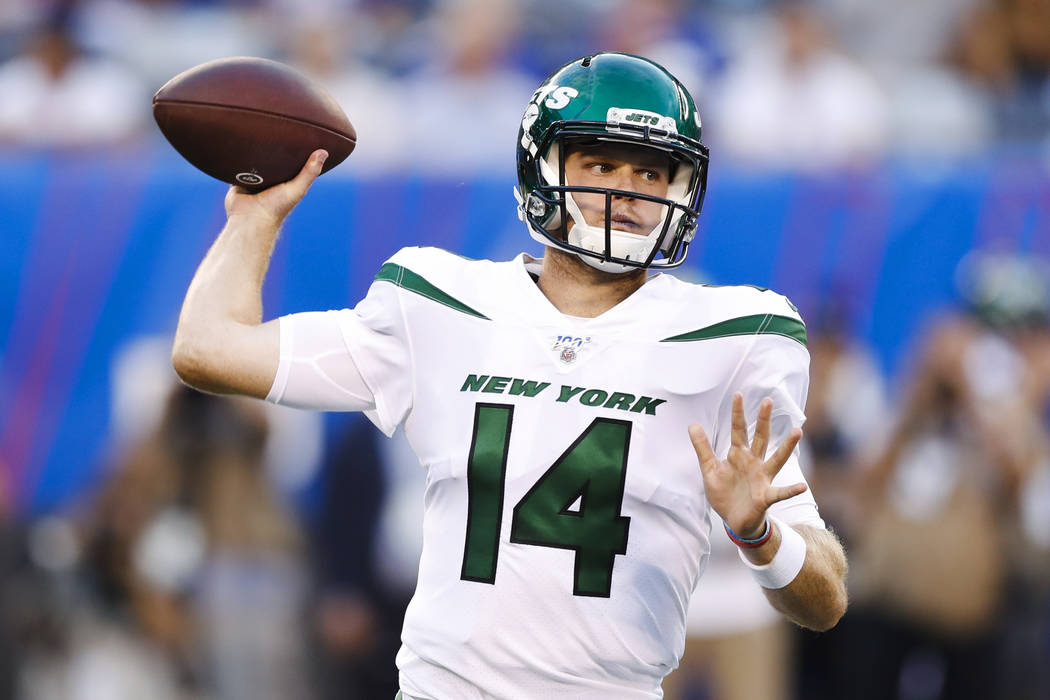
(938, 483)
(199, 569)
(436, 85)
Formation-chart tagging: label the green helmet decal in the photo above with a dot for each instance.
(610, 97)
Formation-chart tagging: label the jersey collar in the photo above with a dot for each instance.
(538, 307)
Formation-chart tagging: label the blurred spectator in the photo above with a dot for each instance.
(386, 36)
(791, 100)
(554, 32)
(932, 570)
(933, 111)
(373, 488)
(1009, 368)
(470, 96)
(376, 104)
(19, 18)
(162, 38)
(55, 94)
(937, 116)
(189, 541)
(664, 31)
(1024, 645)
(390, 35)
(895, 36)
(847, 414)
(1003, 47)
(142, 379)
(9, 642)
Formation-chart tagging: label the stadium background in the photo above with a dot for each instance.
(101, 230)
(889, 241)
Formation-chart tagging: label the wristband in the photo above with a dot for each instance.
(749, 544)
(786, 563)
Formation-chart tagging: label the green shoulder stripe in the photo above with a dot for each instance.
(747, 325)
(406, 279)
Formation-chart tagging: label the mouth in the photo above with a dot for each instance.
(623, 222)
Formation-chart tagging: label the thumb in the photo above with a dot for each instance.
(311, 169)
(284, 197)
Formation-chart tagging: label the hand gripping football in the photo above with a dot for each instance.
(251, 121)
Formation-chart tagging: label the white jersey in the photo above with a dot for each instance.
(565, 524)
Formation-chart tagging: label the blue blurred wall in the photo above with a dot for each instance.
(98, 248)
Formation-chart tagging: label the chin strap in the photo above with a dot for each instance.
(622, 244)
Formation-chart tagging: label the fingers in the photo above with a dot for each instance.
(704, 453)
(783, 452)
(311, 169)
(316, 161)
(739, 434)
(775, 494)
(761, 441)
(231, 193)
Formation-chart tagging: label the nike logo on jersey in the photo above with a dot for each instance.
(623, 401)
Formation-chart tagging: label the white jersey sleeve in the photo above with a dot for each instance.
(348, 360)
(777, 367)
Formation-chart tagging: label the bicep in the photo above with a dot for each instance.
(348, 360)
(242, 359)
(316, 369)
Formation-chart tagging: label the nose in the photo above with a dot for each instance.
(622, 181)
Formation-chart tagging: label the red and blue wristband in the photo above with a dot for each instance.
(749, 544)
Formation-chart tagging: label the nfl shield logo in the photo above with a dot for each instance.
(568, 347)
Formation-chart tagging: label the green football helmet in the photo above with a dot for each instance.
(610, 97)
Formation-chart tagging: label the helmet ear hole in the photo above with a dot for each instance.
(536, 206)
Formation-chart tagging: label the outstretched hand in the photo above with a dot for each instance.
(273, 204)
(740, 487)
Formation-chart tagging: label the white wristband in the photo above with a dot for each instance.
(786, 563)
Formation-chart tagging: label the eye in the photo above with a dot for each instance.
(649, 175)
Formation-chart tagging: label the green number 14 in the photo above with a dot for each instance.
(574, 505)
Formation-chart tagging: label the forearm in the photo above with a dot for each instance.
(816, 598)
(227, 287)
(221, 344)
(222, 311)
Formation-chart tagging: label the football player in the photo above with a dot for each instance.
(575, 415)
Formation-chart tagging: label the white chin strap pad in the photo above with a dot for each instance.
(623, 244)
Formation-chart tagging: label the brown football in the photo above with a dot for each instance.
(251, 121)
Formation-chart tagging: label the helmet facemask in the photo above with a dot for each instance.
(552, 205)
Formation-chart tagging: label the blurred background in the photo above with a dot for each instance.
(884, 164)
